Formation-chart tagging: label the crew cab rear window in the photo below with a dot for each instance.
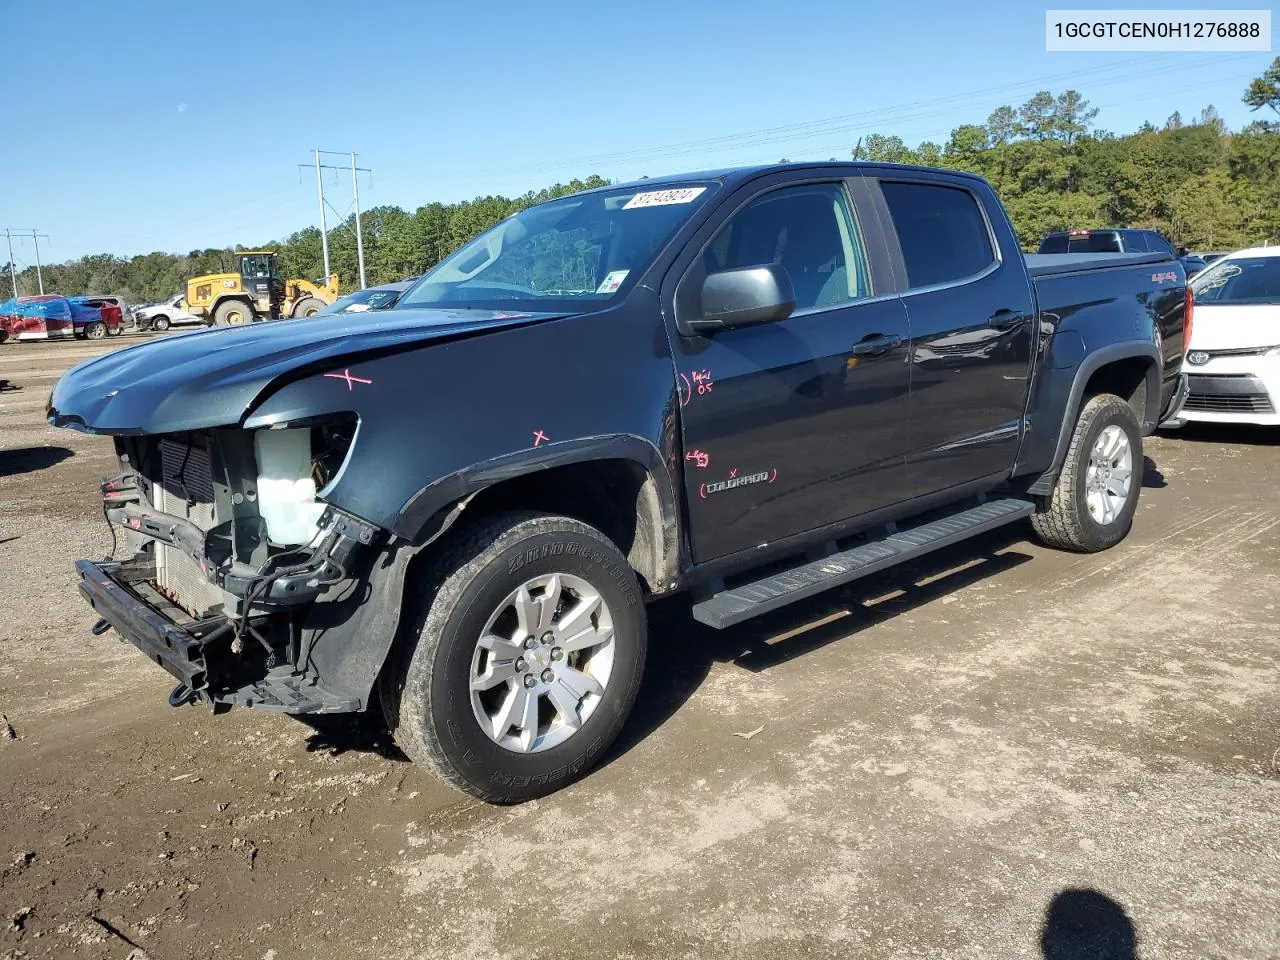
(941, 230)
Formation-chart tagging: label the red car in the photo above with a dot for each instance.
(52, 316)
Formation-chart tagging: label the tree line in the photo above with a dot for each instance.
(1200, 184)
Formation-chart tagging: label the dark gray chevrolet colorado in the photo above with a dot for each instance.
(748, 385)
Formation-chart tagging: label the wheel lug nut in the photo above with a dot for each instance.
(557, 653)
(530, 643)
(520, 664)
(530, 679)
(547, 676)
(548, 638)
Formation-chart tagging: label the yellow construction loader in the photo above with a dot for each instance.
(257, 292)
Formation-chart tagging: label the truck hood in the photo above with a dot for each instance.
(1235, 326)
(211, 378)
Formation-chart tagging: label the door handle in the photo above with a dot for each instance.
(875, 344)
(1005, 319)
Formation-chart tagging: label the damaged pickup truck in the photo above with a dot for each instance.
(750, 386)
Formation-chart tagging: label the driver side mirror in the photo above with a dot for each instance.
(744, 297)
(1180, 252)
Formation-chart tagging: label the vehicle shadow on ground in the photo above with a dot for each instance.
(30, 459)
(1244, 433)
(682, 651)
(7, 387)
(339, 733)
(1082, 924)
(1152, 478)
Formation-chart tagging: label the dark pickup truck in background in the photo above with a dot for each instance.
(749, 385)
(1120, 240)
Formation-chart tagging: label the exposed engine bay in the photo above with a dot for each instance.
(225, 534)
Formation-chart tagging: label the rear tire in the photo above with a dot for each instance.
(585, 656)
(159, 324)
(308, 307)
(1093, 501)
(232, 313)
(96, 330)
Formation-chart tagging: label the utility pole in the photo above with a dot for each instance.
(324, 232)
(35, 239)
(355, 191)
(13, 274)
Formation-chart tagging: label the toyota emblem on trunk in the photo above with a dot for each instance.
(1197, 357)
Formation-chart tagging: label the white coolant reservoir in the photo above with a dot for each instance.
(286, 490)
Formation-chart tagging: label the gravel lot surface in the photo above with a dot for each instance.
(1001, 752)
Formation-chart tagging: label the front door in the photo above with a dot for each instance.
(971, 316)
(793, 425)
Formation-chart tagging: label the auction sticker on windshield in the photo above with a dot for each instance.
(662, 198)
(612, 281)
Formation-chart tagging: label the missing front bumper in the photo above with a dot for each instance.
(198, 655)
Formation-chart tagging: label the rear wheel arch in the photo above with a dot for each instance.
(1130, 371)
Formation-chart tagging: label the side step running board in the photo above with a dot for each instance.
(748, 600)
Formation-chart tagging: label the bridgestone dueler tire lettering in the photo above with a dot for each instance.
(1062, 518)
(424, 690)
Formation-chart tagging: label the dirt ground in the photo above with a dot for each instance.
(1002, 752)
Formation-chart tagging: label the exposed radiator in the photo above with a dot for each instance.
(185, 490)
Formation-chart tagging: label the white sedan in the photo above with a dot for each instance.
(171, 313)
(1233, 359)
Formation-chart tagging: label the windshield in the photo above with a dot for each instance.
(373, 299)
(567, 255)
(1240, 280)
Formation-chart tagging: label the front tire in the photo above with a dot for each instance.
(96, 330)
(160, 324)
(525, 661)
(1092, 504)
(232, 313)
(308, 307)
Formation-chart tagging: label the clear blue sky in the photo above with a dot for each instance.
(139, 126)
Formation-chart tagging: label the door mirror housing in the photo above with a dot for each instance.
(744, 297)
(1180, 252)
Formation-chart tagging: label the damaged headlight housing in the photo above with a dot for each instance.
(296, 463)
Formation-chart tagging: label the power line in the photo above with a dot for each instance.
(36, 237)
(355, 191)
(809, 129)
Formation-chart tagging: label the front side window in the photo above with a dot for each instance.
(1136, 242)
(569, 255)
(1158, 244)
(941, 230)
(810, 232)
(1243, 280)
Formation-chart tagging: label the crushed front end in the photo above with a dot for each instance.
(227, 551)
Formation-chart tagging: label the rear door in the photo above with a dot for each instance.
(793, 425)
(970, 313)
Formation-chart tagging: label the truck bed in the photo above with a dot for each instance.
(1051, 264)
